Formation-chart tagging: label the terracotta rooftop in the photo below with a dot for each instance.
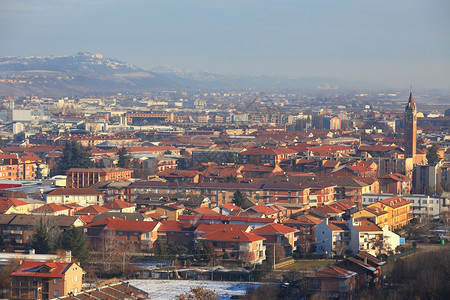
(74, 191)
(231, 236)
(395, 202)
(271, 229)
(41, 269)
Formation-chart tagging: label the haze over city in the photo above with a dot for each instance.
(392, 43)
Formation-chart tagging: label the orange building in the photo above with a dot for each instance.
(45, 280)
(85, 177)
(124, 233)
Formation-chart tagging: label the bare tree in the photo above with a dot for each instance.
(304, 245)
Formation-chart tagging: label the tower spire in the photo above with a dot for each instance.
(411, 104)
(410, 96)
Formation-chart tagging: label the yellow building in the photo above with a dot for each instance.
(399, 211)
(172, 211)
(377, 215)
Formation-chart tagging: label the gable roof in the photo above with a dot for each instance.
(49, 207)
(395, 202)
(271, 229)
(73, 191)
(231, 236)
(118, 204)
(39, 268)
(303, 220)
(205, 211)
(125, 225)
(263, 209)
(208, 228)
(338, 225)
(332, 272)
(367, 226)
(364, 255)
(92, 209)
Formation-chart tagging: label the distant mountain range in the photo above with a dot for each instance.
(93, 74)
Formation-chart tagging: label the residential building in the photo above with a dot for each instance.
(85, 177)
(399, 211)
(81, 196)
(20, 228)
(120, 206)
(396, 184)
(333, 282)
(423, 206)
(265, 155)
(45, 280)
(239, 245)
(278, 234)
(122, 233)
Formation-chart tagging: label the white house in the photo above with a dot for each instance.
(337, 237)
(81, 196)
(332, 236)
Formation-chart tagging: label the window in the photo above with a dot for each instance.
(315, 284)
(56, 293)
(56, 281)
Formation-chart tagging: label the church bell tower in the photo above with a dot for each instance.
(410, 127)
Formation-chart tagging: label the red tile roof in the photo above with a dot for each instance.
(118, 204)
(303, 220)
(175, 226)
(264, 209)
(93, 209)
(73, 191)
(205, 211)
(395, 201)
(231, 236)
(33, 269)
(271, 229)
(231, 206)
(125, 225)
(50, 207)
(367, 226)
(397, 177)
(208, 228)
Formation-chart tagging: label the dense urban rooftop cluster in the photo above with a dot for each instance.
(221, 177)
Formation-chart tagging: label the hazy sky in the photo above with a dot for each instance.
(397, 42)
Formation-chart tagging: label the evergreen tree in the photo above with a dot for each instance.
(75, 241)
(74, 156)
(124, 160)
(40, 240)
(239, 198)
(161, 252)
(432, 155)
(198, 252)
(210, 252)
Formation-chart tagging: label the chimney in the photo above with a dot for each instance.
(365, 260)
